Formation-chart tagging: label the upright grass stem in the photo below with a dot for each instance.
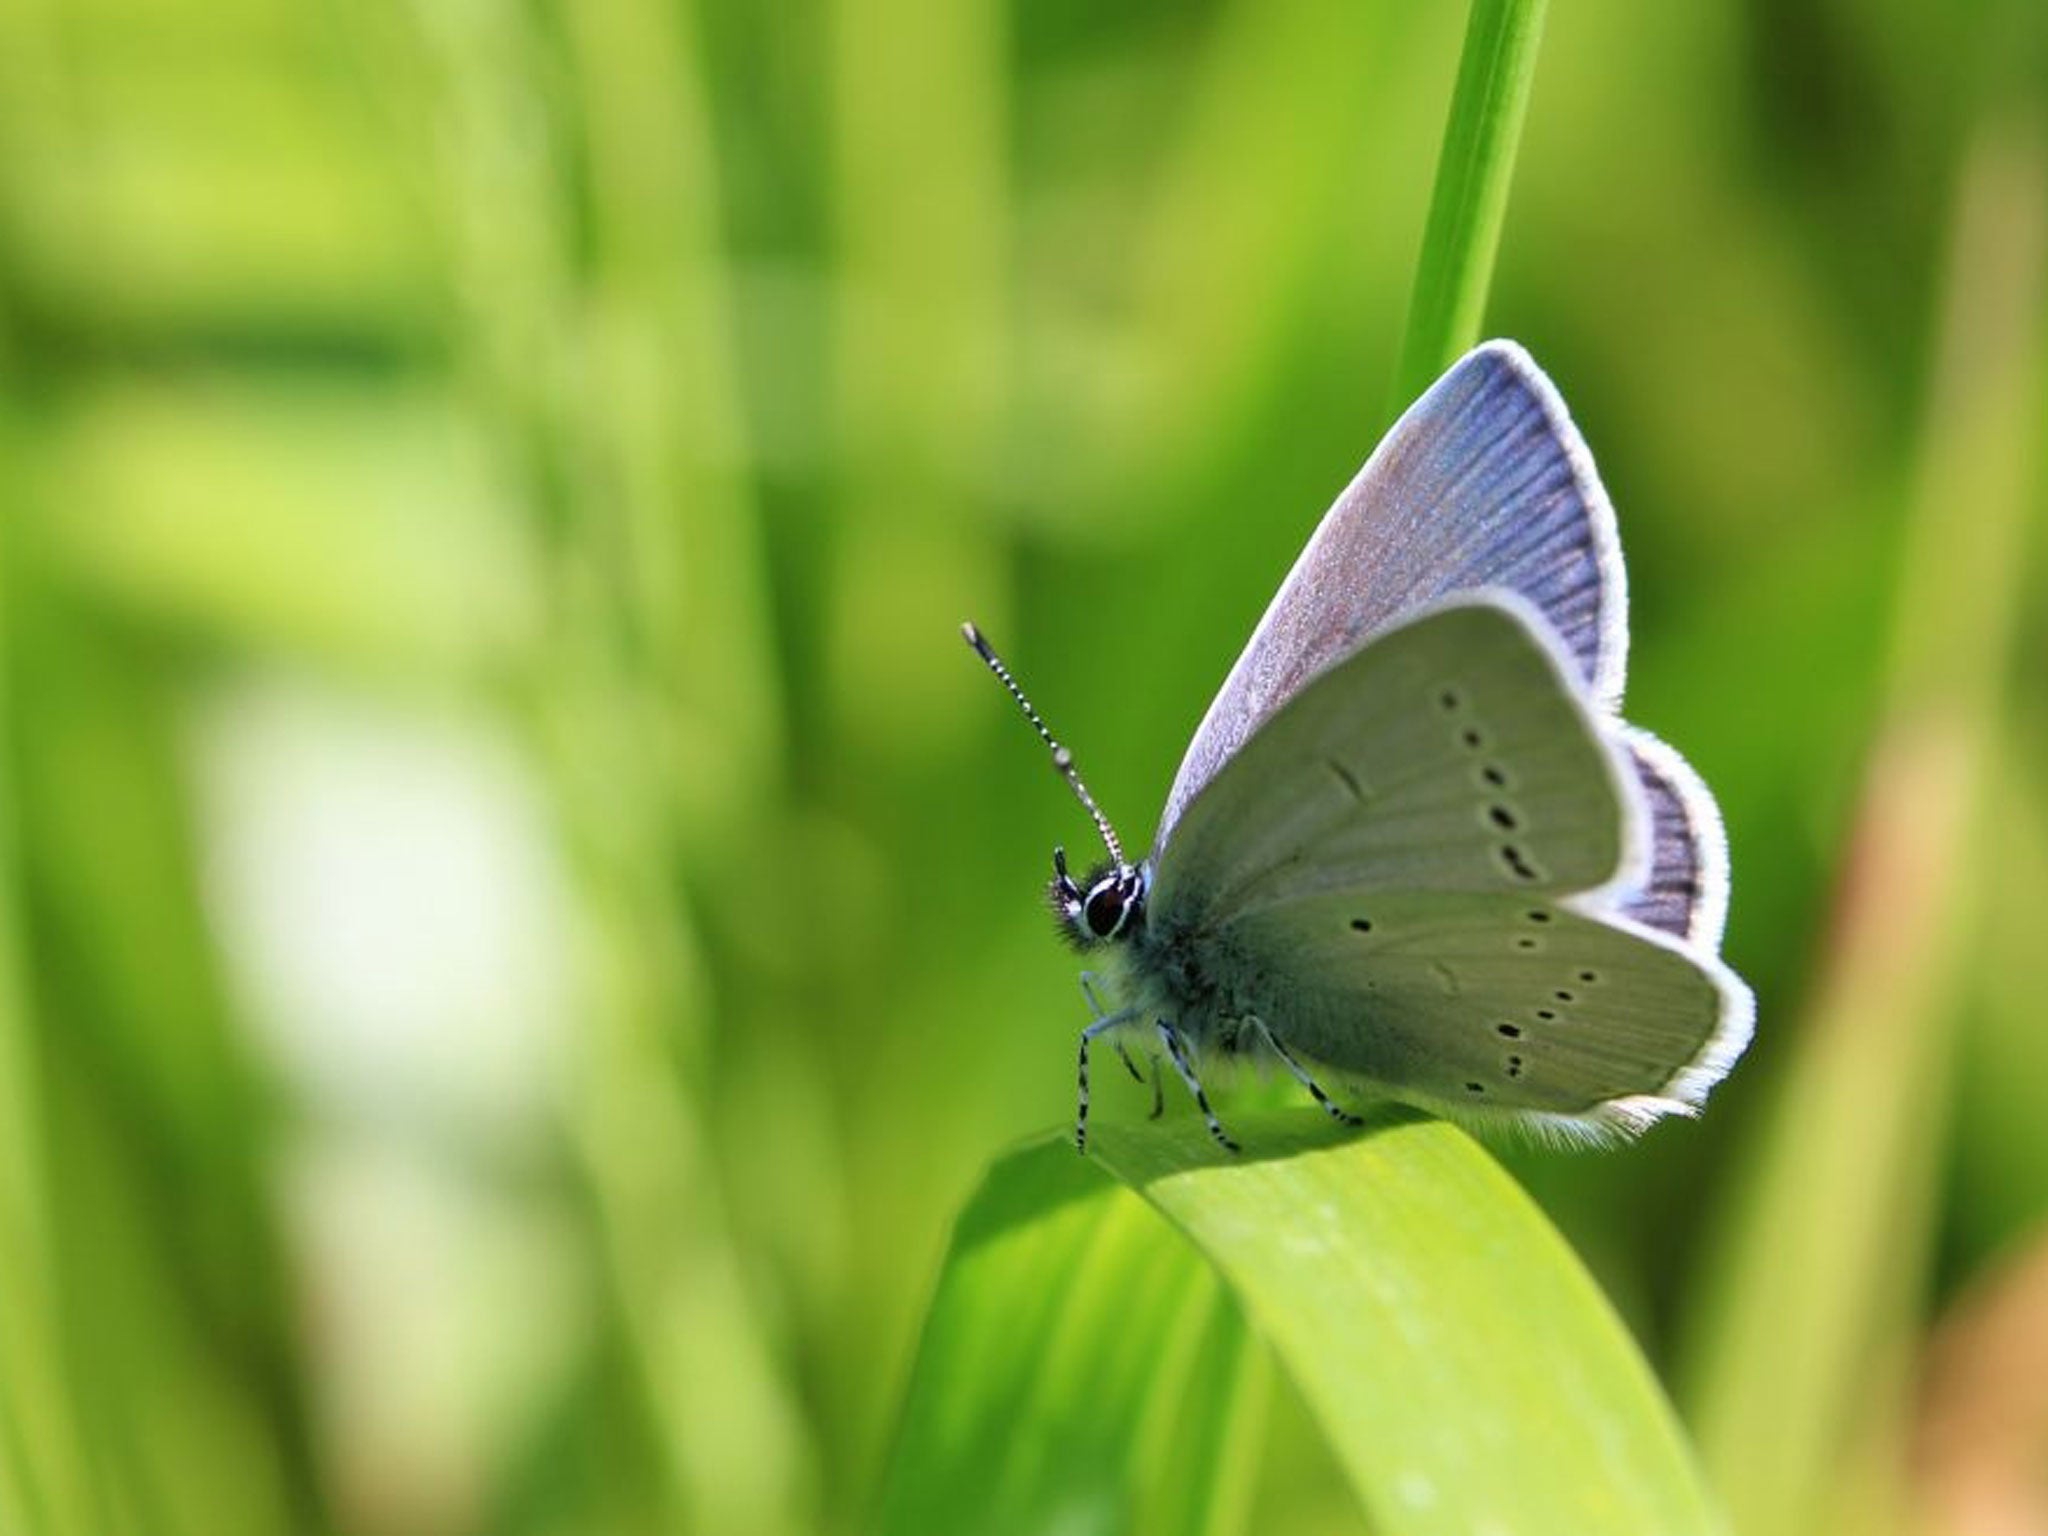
(1471, 197)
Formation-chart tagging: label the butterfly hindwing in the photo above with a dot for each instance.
(1483, 482)
(1453, 753)
(1686, 891)
(1494, 1005)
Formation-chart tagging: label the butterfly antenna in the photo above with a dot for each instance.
(1062, 759)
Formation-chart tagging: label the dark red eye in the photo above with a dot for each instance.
(1106, 908)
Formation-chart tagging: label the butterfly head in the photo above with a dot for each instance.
(1108, 905)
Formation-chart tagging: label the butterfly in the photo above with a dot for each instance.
(1413, 850)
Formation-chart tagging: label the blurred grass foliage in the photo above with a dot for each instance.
(517, 918)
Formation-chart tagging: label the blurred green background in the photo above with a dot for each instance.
(519, 919)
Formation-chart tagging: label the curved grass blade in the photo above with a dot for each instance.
(1467, 1373)
(1081, 1369)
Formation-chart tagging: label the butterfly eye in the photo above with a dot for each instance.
(1115, 897)
(1108, 906)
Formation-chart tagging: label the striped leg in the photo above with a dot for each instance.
(1130, 1066)
(1112, 1021)
(1089, 982)
(1337, 1111)
(1094, 1010)
(1176, 1052)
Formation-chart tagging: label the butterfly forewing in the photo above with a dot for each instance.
(1452, 753)
(1483, 482)
(1491, 1003)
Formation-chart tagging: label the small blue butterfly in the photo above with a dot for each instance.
(1413, 848)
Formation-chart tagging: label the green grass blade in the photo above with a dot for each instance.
(1465, 1370)
(1471, 197)
(45, 1476)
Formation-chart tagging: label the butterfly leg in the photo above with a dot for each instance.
(1089, 981)
(1176, 1052)
(1336, 1110)
(1158, 1088)
(1102, 1023)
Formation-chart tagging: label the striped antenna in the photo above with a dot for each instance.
(1062, 759)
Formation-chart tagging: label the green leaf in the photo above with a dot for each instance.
(1084, 1364)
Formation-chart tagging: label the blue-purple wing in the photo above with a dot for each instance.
(1483, 482)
